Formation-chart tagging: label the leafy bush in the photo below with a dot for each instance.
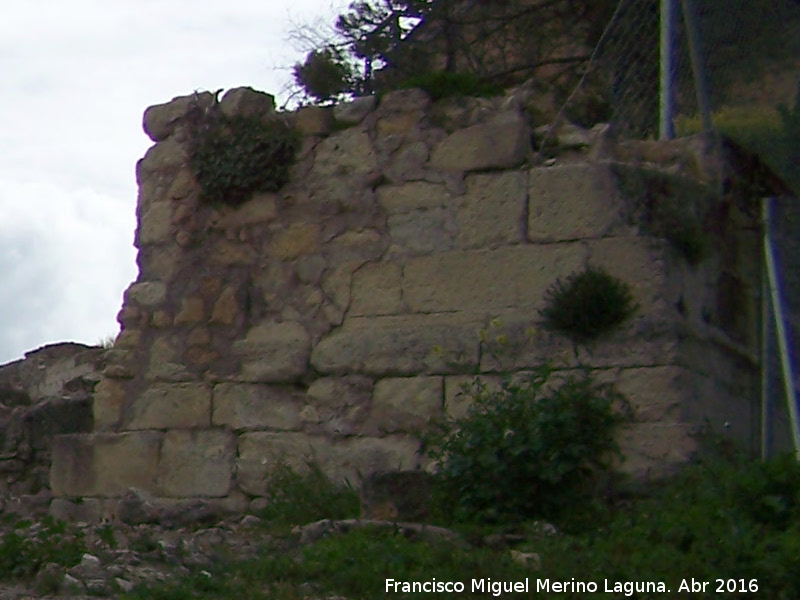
(446, 84)
(31, 546)
(527, 449)
(234, 156)
(587, 305)
(325, 74)
(718, 518)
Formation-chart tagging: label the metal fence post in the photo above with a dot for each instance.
(666, 125)
(698, 66)
(780, 328)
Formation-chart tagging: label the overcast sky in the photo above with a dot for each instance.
(75, 78)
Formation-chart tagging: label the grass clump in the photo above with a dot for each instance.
(233, 157)
(587, 305)
(302, 497)
(528, 449)
(447, 84)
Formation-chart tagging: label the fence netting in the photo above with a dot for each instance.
(747, 58)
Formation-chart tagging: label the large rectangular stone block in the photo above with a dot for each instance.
(491, 211)
(573, 202)
(657, 394)
(729, 411)
(422, 232)
(642, 263)
(521, 340)
(104, 464)
(261, 454)
(256, 406)
(405, 404)
(376, 290)
(337, 405)
(502, 142)
(273, 352)
(196, 463)
(413, 195)
(168, 405)
(404, 345)
(488, 280)
(357, 457)
(107, 403)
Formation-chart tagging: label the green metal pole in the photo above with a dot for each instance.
(698, 70)
(666, 126)
(780, 328)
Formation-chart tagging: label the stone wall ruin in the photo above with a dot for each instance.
(330, 321)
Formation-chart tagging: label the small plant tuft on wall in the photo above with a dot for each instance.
(233, 157)
(587, 304)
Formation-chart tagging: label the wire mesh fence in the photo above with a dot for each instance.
(742, 55)
(681, 66)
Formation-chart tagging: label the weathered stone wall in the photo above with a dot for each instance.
(45, 394)
(332, 320)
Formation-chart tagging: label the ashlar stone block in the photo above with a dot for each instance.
(491, 212)
(500, 143)
(656, 393)
(414, 195)
(273, 352)
(357, 457)
(376, 290)
(405, 404)
(155, 226)
(487, 280)
(655, 449)
(573, 202)
(104, 464)
(107, 403)
(146, 293)
(196, 463)
(255, 406)
(641, 263)
(348, 152)
(261, 454)
(392, 345)
(170, 405)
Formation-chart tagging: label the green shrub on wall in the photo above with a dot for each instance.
(529, 449)
(587, 305)
(446, 84)
(233, 157)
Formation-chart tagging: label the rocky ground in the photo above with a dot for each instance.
(114, 559)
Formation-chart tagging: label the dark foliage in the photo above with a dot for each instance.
(587, 305)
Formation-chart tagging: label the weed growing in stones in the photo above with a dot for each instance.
(298, 497)
(587, 305)
(233, 157)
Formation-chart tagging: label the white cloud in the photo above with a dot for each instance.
(77, 76)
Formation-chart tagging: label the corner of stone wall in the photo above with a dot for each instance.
(331, 320)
